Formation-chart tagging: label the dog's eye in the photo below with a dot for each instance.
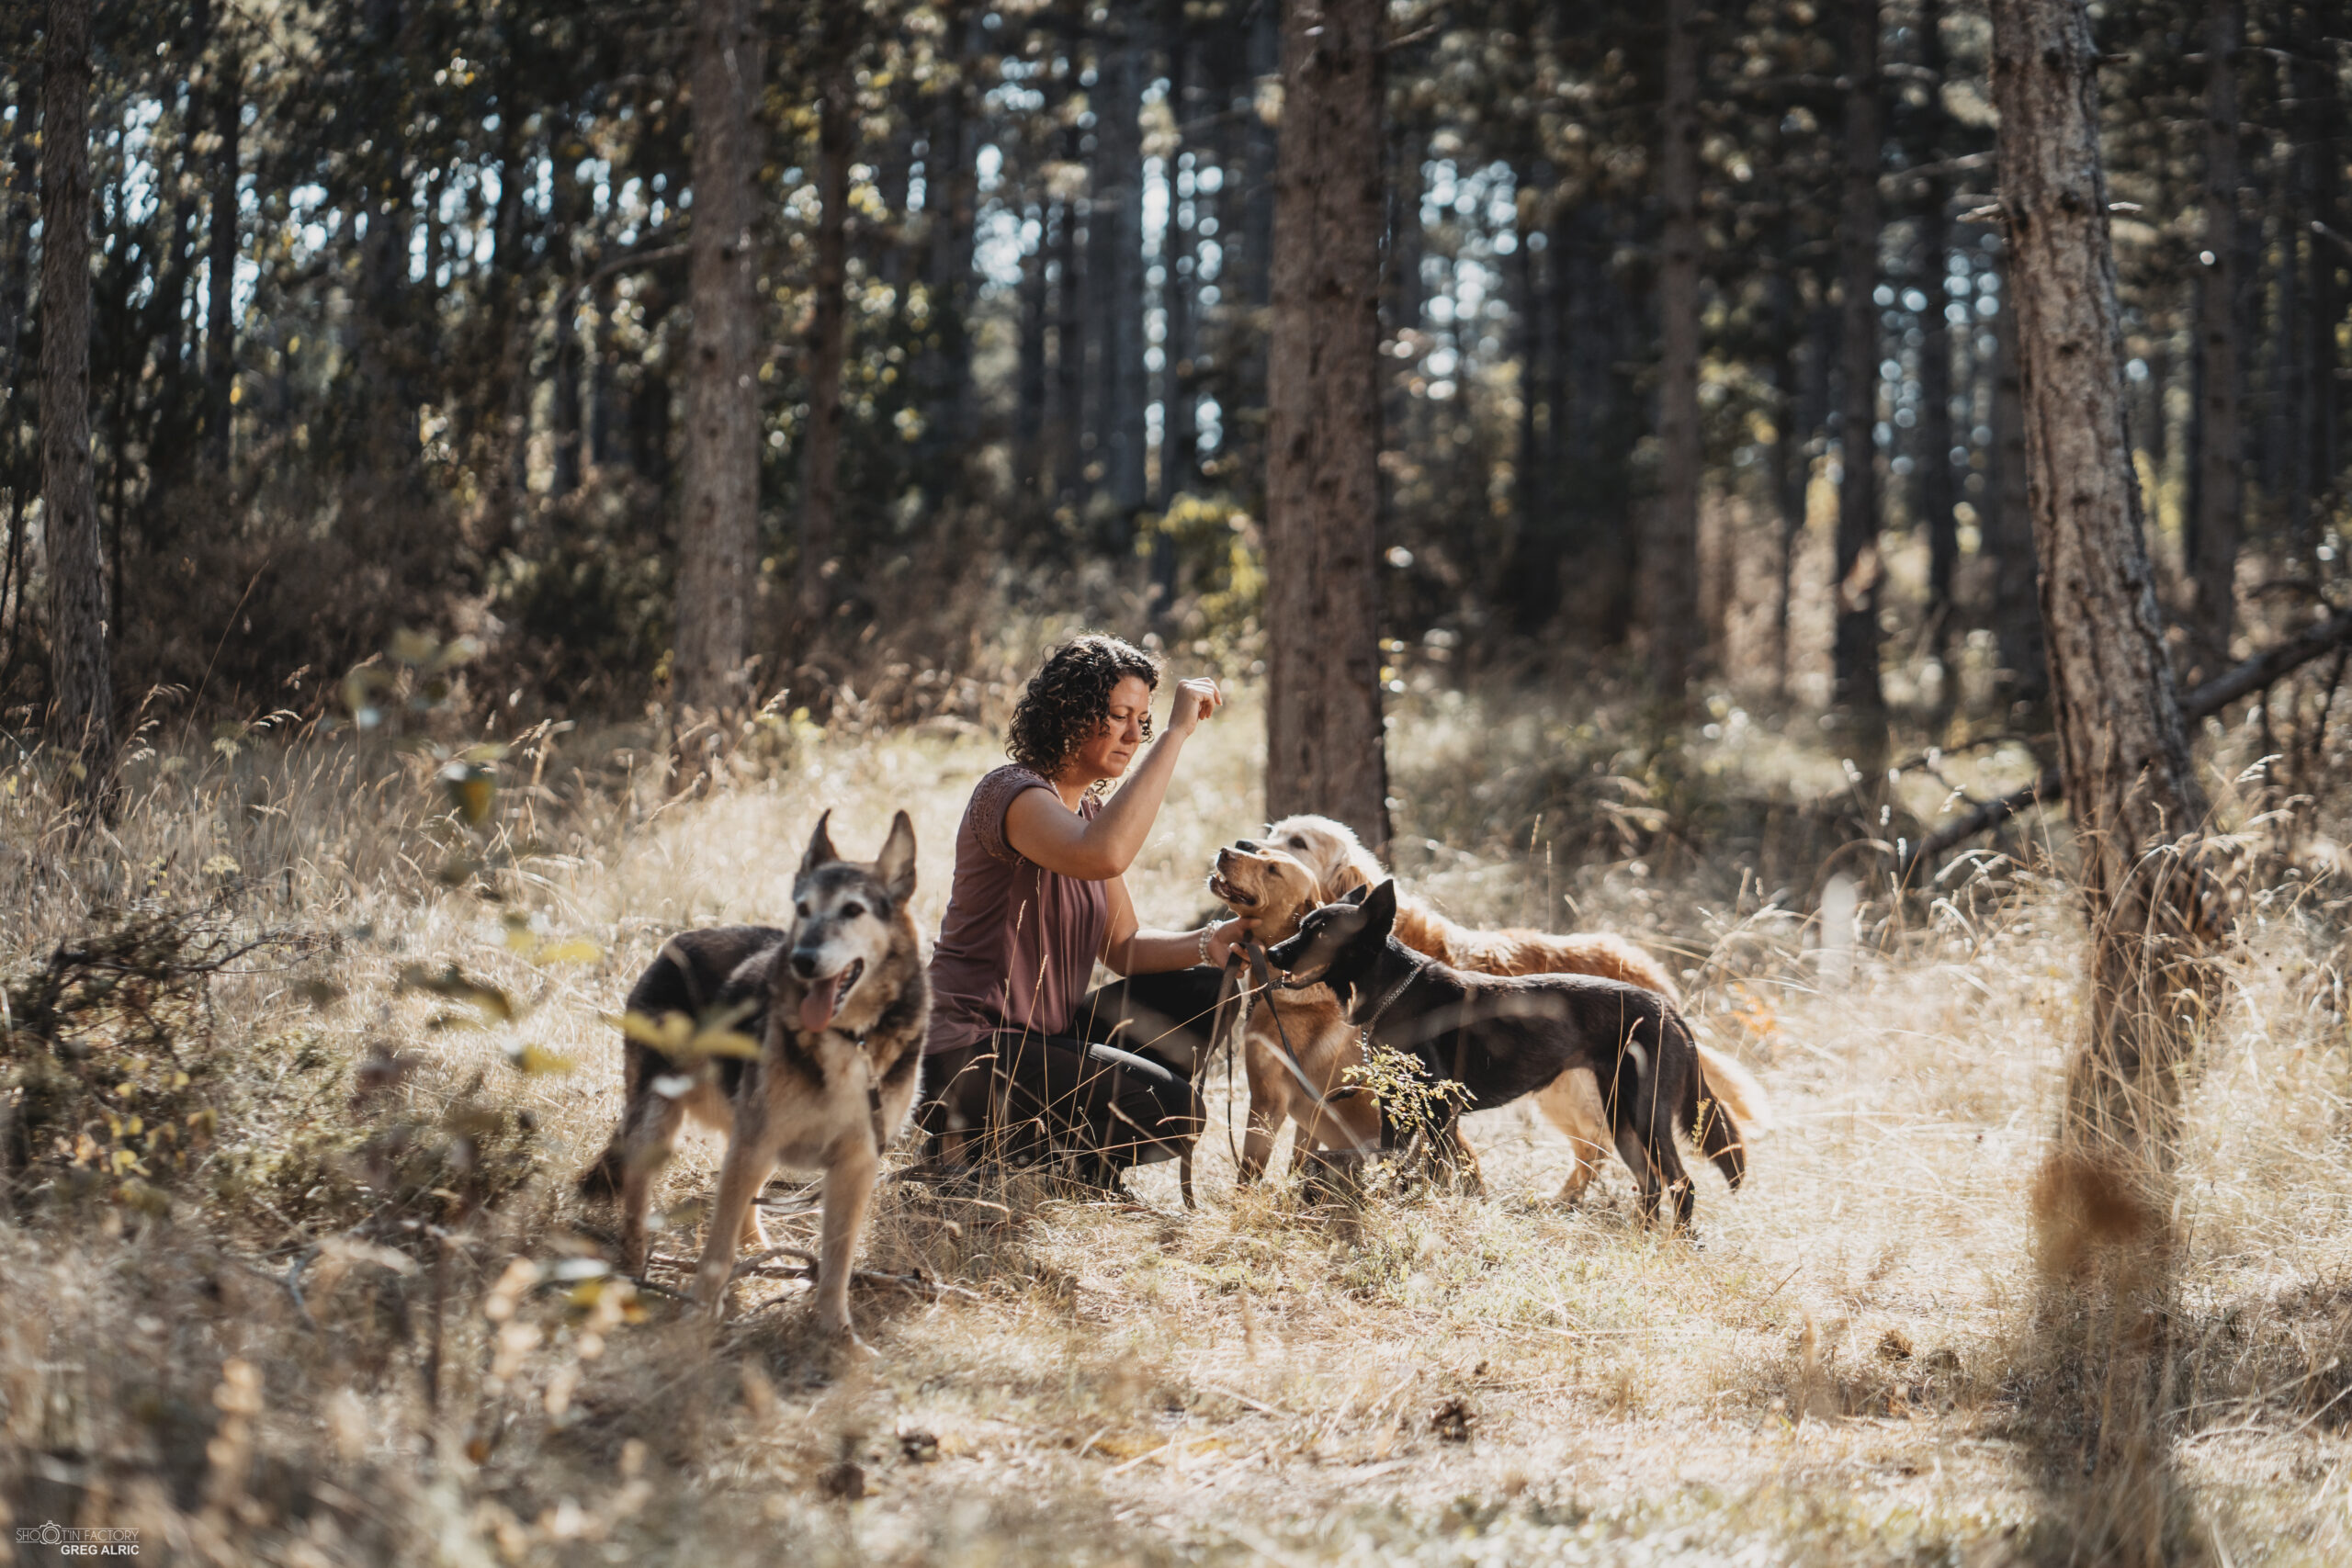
(852, 911)
(1296, 842)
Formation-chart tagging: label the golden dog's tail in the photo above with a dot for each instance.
(1736, 1087)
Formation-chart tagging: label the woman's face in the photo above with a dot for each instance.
(1105, 754)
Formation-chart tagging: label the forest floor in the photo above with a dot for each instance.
(316, 1343)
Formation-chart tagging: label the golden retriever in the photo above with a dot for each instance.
(1297, 1049)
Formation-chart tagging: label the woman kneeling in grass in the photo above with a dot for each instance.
(1040, 893)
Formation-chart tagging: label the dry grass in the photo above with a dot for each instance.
(1849, 1372)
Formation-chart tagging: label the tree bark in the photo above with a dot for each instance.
(81, 658)
(2122, 751)
(1326, 749)
(2217, 484)
(951, 181)
(567, 210)
(828, 339)
(219, 315)
(1937, 497)
(1855, 690)
(720, 511)
(1114, 244)
(2023, 673)
(1671, 560)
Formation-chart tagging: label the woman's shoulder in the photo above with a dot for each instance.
(991, 798)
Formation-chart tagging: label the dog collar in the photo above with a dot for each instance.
(1394, 992)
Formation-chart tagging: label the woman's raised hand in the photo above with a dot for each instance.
(1195, 700)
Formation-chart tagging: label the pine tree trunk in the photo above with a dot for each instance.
(2121, 746)
(2217, 491)
(1326, 749)
(568, 208)
(1029, 383)
(81, 661)
(2023, 675)
(820, 440)
(1065, 429)
(1937, 497)
(720, 506)
(2103, 1200)
(1179, 264)
(220, 316)
(1855, 690)
(1670, 561)
(2320, 91)
(950, 199)
(1114, 244)
(1530, 576)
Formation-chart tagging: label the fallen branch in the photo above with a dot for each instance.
(2241, 679)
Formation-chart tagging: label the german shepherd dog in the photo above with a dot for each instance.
(1501, 1037)
(1298, 1049)
(836, 1004)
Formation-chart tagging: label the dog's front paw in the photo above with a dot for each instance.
(710, 1293)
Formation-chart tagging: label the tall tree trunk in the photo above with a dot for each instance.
(1067, 430)
(1326, 744)
(568, 205)
(1789, 463)
(1180, 263)
(80, 666)
(719, 512)
(1530, 577)
(2123, 754)
(1029, 382)
(220, 267)
(950, 199)
(2216, 484)
(1114, 244)
(386, 360)
(1670, 560)
(2320, 91)
(1937, 496)
(828, 343)
(1855, 691)
(2023, 675)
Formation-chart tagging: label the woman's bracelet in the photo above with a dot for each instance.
(1206, 931)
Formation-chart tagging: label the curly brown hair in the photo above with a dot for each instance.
(1066, 702)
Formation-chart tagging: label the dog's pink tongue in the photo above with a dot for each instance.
(817, 1002)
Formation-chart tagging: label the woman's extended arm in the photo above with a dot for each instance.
(1129, 950)
(1044, 830)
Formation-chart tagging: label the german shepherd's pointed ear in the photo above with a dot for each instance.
(1380, 911)
(1355, 894)
(821, 847)
(896, 864)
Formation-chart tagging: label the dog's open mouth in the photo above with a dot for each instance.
(823, 998)
(1221, 886)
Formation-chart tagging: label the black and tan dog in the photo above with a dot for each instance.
(836, 1006)
(1503, 1036)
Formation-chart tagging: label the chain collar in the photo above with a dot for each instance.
(1364, 1029)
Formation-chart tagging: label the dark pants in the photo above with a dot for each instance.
(1021, 1097)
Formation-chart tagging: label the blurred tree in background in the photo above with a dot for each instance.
(1692, 358)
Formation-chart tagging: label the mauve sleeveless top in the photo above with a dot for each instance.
(1018, 943)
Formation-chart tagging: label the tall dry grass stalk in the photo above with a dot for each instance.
(371, 1325)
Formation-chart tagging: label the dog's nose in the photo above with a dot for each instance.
(1247, 846)
(804, 964)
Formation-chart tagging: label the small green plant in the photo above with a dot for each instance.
(1422, 1108)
